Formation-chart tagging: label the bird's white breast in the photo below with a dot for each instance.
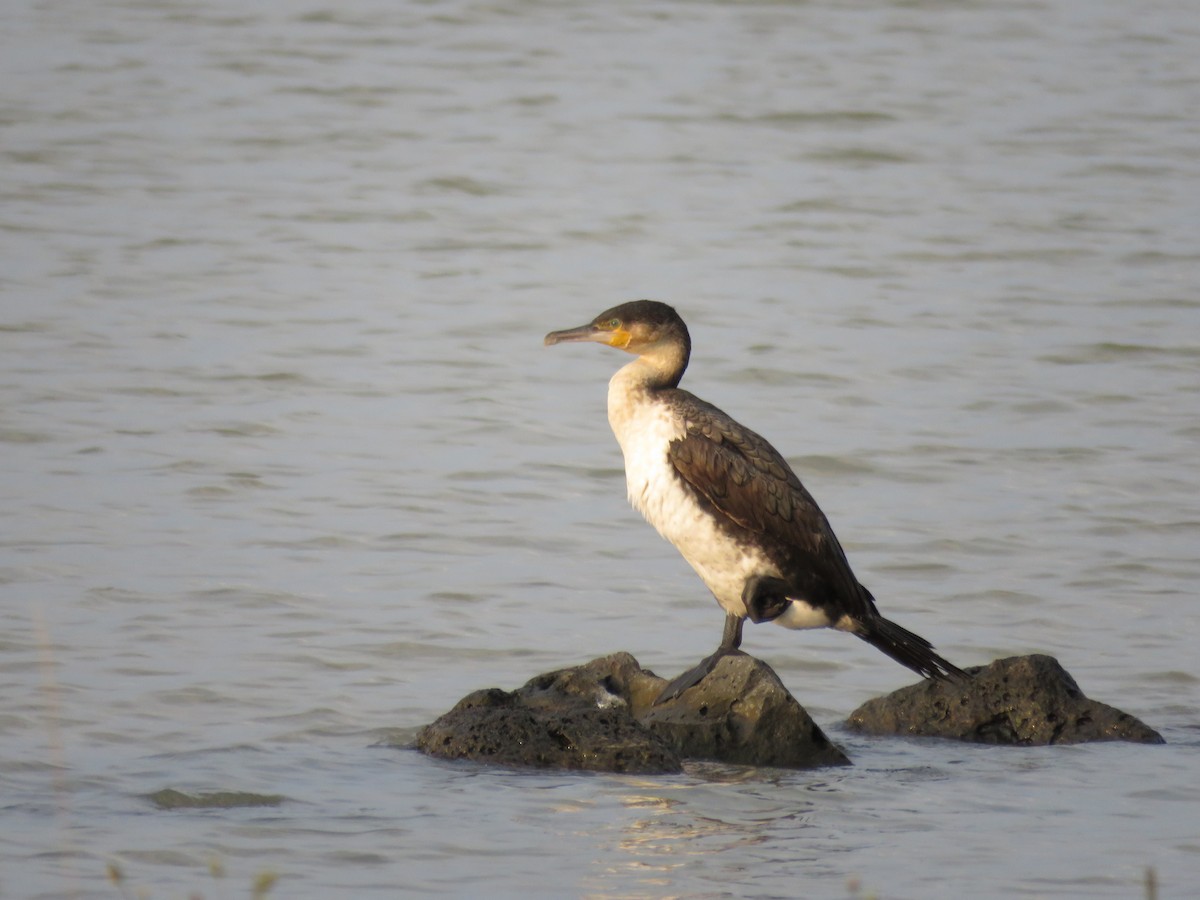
(644, 427)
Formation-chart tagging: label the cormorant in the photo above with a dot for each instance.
(729, 502)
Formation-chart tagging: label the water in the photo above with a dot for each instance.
(287, 470)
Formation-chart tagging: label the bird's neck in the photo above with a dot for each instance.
(636, 384)
(659, 367)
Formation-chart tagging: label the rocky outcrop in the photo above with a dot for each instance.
(1028, 700)
(505, 728)
(742, 713)
(601, 717)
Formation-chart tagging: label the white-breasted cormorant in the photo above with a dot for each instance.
(728, 500)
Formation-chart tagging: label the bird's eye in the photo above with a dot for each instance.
(614, 323)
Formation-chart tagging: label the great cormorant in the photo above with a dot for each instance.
(728, 500)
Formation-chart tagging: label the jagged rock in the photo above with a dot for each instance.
(600, 717)
(742, 713)
(536, 726)
(613, 680)
(1027, 700)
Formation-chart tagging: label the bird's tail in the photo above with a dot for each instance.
(907, 648)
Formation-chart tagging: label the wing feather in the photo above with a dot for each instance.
(746, 479)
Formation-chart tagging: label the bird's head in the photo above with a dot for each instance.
(640, 327)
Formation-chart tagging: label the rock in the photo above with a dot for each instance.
(169, 798)
(1028, 700)
(498, 727)
(600, 717)
(614, 680)
(742, 713)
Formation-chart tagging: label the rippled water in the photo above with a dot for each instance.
(287, 470)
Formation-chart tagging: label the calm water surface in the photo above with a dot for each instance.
(287, 470)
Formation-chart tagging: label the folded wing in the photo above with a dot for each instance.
(744, 478)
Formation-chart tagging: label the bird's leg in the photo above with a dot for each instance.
(731, 640)
(731, 637)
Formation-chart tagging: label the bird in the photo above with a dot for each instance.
(729, 501)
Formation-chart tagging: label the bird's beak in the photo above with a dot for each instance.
(587, 332)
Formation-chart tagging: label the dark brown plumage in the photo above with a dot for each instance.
(744, 478)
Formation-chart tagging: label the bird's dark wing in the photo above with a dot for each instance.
(744, 478)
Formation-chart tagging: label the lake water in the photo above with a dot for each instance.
(287, 470)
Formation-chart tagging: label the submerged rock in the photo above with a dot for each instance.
(601, 717)
(1028, 700)
(169, 798)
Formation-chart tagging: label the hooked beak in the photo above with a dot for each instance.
(587, 332)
